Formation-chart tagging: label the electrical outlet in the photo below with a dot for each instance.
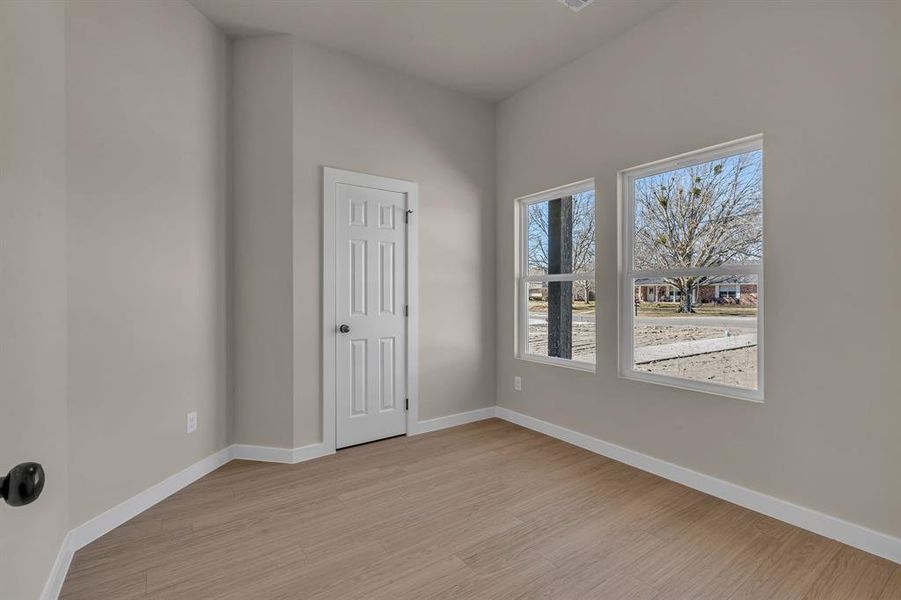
(517, 383)
(191, 422)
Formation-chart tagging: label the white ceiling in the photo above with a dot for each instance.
(485, 48)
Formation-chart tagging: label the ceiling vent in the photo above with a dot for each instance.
(575, 5)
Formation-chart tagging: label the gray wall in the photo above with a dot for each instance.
(822, 83)
(353, 115)
(261, 282)
(147, 129)
(350, 114)
(32, 285)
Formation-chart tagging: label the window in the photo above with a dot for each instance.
(556, 293)
(727, 290)
(692, 271)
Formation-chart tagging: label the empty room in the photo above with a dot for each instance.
(450, 299)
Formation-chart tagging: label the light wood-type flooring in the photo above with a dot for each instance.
(487, 510)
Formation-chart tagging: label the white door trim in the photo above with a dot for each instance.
(331, 177)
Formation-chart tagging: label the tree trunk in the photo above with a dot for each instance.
(686, 289)
(560, 293)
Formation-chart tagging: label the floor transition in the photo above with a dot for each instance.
(487, 510)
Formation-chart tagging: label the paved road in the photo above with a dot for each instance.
(646, 354)
(744, 322)
(536, 318)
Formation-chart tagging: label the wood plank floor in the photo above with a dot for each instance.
(487, 510)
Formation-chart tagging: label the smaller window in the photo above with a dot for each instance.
(556, 289)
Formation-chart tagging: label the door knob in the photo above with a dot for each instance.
(344, 328)
(23, 484)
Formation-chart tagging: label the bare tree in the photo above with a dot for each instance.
(700, 216)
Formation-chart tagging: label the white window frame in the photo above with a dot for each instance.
(627, 273)
(523, 278)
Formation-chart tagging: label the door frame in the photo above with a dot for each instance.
(331, 177)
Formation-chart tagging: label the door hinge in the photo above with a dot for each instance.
(407, 217)
(406, 404)
(406, 310)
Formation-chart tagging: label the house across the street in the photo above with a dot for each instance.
(730, 291)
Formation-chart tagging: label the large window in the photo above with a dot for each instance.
(556, 307)
(692, 271)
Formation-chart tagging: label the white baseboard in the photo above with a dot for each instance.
(309, 452)
(105, 522)
(281, 455)
(109, 520)
(453, 420)
(263, 453)
(60, 567)
(855, 535)
(858, 536)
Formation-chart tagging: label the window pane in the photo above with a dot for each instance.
(562, 319)
(703, 215)
(683, 328)
(561, 235)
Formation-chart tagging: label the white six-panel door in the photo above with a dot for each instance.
(370, 323)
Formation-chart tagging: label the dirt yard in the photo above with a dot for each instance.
(730, 367)
(583, 341)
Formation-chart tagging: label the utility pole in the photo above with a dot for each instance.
(560, 293)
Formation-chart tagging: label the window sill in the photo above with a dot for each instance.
(755, 396)
(558, 362)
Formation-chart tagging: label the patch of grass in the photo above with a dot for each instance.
(670, 309)
(540, 306)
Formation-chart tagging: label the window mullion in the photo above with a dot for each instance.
(560, 277)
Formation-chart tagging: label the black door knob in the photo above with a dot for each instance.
(23, 484)
(344, 328)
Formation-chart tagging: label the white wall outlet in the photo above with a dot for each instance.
(517, 383)
(191, 422)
